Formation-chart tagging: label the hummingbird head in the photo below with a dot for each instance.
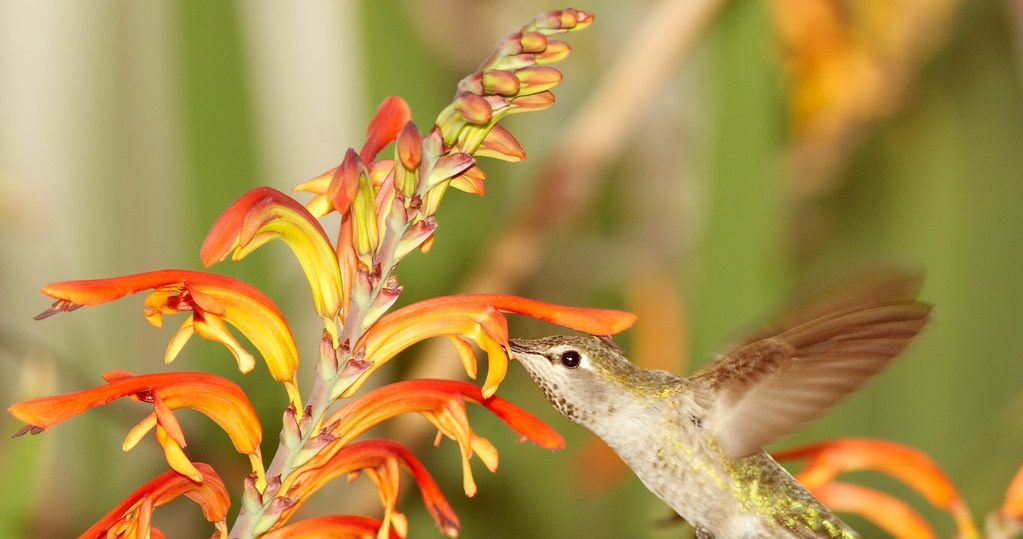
(583, 377)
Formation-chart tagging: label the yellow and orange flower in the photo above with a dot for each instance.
(442, 402)
(210, 300)
(333, 527)
(476, 317)
(380, 460)
(264, 214)
(218, 398)
(826, 460)
(132, 517)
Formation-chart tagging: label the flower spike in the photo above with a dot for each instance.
(511, 80)
(386, 206)
(529, 46)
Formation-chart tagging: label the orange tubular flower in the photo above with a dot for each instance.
(131, 518)
(380, 459)
(500, 144)
(1012, 507)
(889, 513)
(390, 117)
(264, 214)
(218, 398)
(442, 402)
(211, 299)
(476, 317)
(913, 467)
(332, 527)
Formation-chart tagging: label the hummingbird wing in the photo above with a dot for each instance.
(771, 385)
(863, 289)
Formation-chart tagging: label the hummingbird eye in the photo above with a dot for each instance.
(571, 359)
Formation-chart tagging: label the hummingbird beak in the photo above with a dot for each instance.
(606, 339)
(515, 346)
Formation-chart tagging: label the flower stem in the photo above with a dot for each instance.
(284, 461)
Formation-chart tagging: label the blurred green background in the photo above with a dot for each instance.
(127, 127)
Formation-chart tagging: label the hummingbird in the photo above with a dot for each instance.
(697, 442)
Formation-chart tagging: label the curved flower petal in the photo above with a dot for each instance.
(375, 454)
(555, 52)
(264, 214)
(465, 353)
(344, 184)
(476, 317)
(211, 299)
(132, 516)
(500, 144)
(452, 420)
(366, 234)
(176, 456)
(497, 81)
(911, 466)
(1012, 507)
(418, 236)
(218, 398)
(421, 395)
(592, 321)
(536, 79)
(332, 527)
(449, 166)
(528, 103)
(470, 181)
(889, 513)
(484, 326)
(408, 151)
(390, 117)
(321, 204)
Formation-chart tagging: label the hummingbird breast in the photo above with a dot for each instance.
(665, 442)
